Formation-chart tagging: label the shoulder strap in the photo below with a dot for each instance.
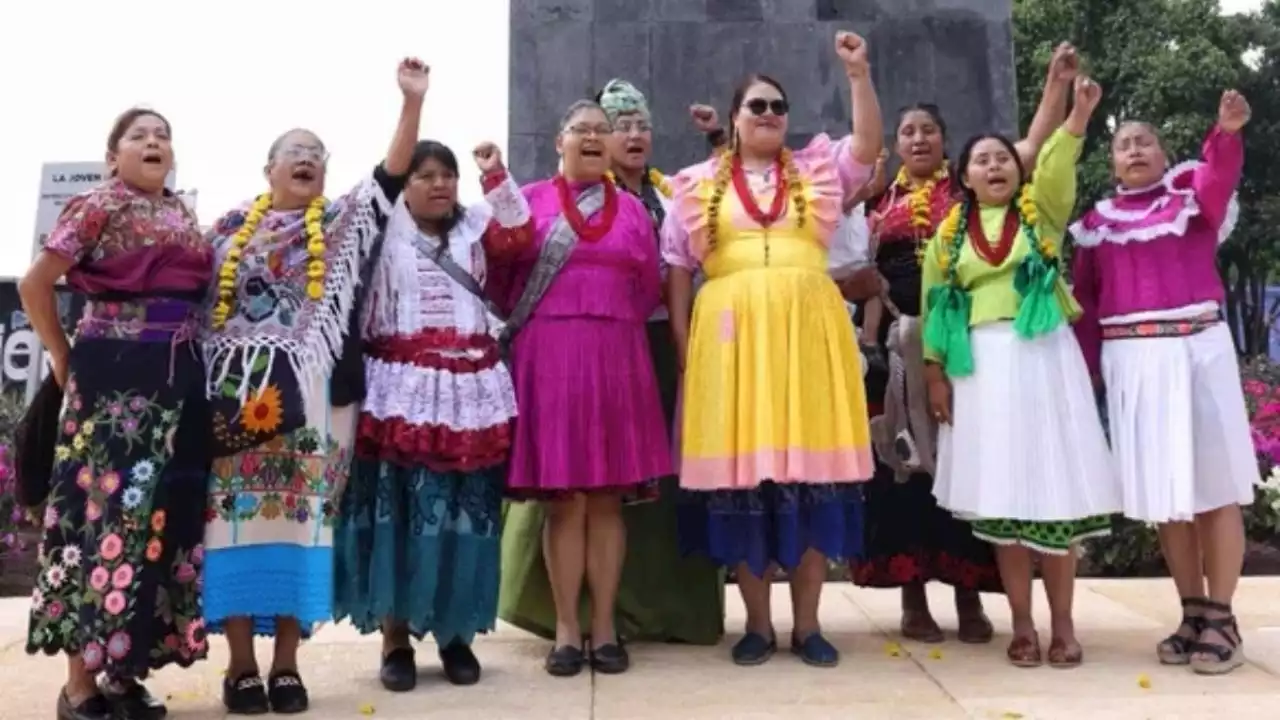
(560, 243)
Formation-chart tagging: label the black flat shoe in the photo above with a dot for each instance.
(565, 661)
(132, 700)
(610, 659)
(286, 692)
(460, 664)
(95, 708)
(245, 695)
(399, 672)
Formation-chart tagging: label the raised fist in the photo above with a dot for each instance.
(1233, 111)
(852, 50)
(704, 118)
(414, 77)
(1065, 65)
(1087, 94)
(488, 158)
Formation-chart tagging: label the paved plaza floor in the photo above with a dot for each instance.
(880, 676)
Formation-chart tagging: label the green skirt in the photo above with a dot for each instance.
(662, 597)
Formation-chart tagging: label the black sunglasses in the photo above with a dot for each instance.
(758, 106)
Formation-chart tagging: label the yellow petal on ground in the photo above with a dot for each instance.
(367, 709)
(892, 649)
(1144, 681)
(935, 654)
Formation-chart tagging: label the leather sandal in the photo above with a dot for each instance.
(1063, 656)
(921, 627)
(1024, 652)
(1176, 649)
(1218, 658)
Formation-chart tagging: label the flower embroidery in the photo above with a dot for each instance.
(132, 498)
(114, 603)
(263, 413)
(111, 547)
(157, 521)
(143, 471)
(84, 478)
(71, 556)
(118, 645)
(153, 549)
(92, 655)
(109, 482)
(55, 576)
(122, 577)
(98, 578)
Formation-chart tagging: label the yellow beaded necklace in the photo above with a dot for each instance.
(657, 179)
(313, 233)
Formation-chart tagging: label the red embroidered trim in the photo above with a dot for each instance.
(993, 255)
(748, 199)
(492, 180)
(437, 447)
(569, 206)
(423, 348)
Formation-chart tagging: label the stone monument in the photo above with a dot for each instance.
(956, 53)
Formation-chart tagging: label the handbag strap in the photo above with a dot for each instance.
(439, 254)
(555, 252)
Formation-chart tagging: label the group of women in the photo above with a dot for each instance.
(316, 410)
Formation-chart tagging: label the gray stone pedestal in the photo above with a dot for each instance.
(956, 53)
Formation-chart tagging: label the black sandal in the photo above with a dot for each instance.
(565, 661)
(1176, 649)
(1218, 658)
(286, 692)
(245, 695)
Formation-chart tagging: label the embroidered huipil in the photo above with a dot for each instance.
(438, 393)
(992, 293)
(1151, 253)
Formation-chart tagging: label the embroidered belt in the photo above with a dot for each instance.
(142, 320)
(1161, 328)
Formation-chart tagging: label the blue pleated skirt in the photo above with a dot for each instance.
(419, 547)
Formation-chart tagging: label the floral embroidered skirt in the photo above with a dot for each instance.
(121, 558)
(421, 547)
(269, 523)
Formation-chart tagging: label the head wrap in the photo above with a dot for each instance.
(620, 97)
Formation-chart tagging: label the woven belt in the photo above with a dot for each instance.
(1161, 328)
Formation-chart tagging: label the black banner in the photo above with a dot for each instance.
(17, 339)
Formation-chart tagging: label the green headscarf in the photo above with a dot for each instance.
(620, 97)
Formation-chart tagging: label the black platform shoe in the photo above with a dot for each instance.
(460, 664)
(94, 708)
(132, 700)
(287, 694)
(399, 673)
(245, 695)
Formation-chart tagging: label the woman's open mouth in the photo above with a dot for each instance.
(304, 174)
(153, 157)
(592, 152)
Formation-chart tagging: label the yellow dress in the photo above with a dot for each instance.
(773, 385)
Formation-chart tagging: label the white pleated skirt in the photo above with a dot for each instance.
(1026, 441)
(1179, 426)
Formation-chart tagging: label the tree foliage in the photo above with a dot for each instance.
(1168, 62)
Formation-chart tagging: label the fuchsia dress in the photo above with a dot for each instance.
(590, 414)
(1146, 277)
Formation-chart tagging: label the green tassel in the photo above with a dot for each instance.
(946, 331)
(1039, 312)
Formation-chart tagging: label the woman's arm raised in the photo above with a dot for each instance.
(1063, 69)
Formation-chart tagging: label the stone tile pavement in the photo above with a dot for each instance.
(880, 677)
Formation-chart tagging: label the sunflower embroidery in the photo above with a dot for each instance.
(263, 413)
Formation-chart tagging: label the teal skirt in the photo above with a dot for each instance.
(419, 547)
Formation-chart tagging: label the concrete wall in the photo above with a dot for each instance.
(956, 53)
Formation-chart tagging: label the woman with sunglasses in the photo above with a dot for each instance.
(590, 434)
(775, 439)
(285, 379)
(663, 596)
(910, 540)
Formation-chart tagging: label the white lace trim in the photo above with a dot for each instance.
(313, 343)
(459, 401)
(1176, 227)
(411, 292)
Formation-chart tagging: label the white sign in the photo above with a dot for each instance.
(59, 182)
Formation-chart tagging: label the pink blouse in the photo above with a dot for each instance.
(827, 168)
(615, 277)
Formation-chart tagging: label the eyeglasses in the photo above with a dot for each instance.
(629, 126)
(758, 106)
(296, 153)
(589, 130)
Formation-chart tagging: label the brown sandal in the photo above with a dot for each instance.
(975, 628)
(1063, 656)
(1024, 652)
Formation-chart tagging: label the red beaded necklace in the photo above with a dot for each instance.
(569, 206)
(994, 255)
(748, 199)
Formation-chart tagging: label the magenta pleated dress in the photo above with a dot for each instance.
(590, 416)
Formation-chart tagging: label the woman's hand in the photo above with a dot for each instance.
(1065, 65)
(488, 158)
(852, 50)
(704, 118)
(862, 285)
(414, 77)
(940, 399)
(1087, 96)
(1233, 112)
